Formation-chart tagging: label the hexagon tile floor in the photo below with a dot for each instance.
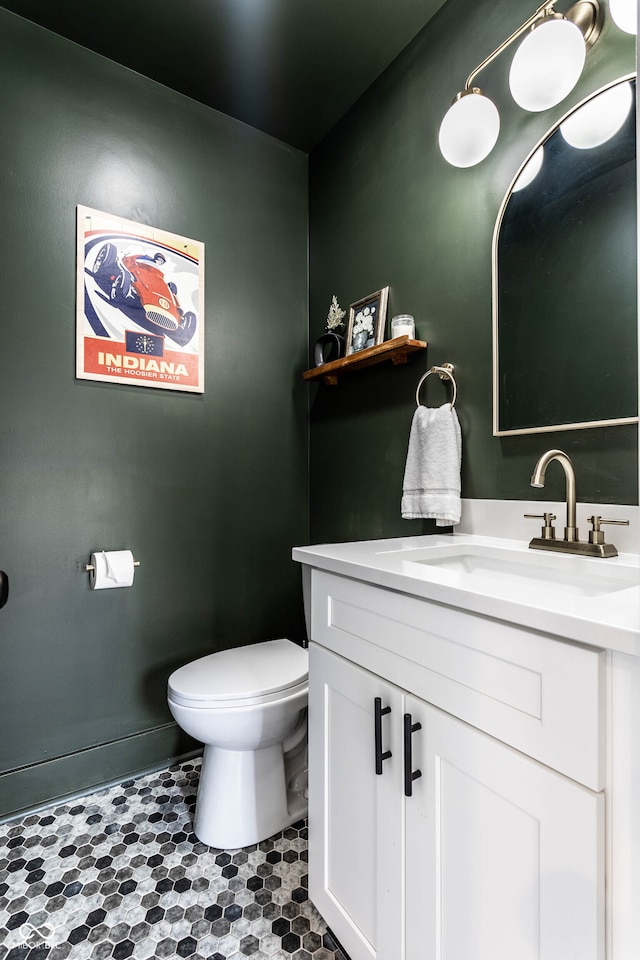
(121, 874)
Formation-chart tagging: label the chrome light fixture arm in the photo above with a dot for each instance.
(543, 10)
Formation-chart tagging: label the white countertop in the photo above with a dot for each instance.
(590, 600)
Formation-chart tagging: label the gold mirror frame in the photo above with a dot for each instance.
(552, 428)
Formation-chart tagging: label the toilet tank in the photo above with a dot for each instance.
(306, 597)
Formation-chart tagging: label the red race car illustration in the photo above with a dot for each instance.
(139, 278)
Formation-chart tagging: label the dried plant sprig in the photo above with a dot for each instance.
(335, 317)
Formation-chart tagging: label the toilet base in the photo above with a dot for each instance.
(242, 797)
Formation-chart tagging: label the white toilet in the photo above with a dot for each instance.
(248, 706)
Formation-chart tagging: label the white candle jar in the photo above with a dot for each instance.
(403, 326)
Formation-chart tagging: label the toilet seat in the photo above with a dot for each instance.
(242, 676)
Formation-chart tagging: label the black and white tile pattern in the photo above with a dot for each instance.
(121, 874)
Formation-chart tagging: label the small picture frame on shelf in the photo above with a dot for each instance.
(367, 318)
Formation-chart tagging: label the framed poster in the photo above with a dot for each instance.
(140, 304)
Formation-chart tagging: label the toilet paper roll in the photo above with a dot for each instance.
(111, 568)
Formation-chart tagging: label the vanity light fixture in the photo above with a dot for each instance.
(545, 68)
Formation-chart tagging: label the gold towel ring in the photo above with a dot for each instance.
(445, 372)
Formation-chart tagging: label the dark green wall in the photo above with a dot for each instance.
(210, 492)
(385, 208)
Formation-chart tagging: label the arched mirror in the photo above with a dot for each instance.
(565, 335)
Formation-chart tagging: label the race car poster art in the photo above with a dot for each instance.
(140, 304)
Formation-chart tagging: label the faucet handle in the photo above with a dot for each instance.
(548, 530)
(595, 534)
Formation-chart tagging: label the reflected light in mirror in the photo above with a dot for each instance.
(599, 119)
(547, 64)
(624, 14)
(530, 170)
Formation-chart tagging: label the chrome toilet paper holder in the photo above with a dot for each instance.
(90, 566)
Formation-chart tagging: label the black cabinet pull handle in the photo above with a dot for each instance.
(380, 712)
(4, 588)
(409, 773)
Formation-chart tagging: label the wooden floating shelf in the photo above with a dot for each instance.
(396, 351)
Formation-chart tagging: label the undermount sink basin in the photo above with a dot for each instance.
(492, 568)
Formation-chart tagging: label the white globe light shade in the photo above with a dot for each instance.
(624, 14)
(599, 119)
(469, 130)
(530, 171)
(547, 64)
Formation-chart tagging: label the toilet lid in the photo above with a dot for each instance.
(255, 672)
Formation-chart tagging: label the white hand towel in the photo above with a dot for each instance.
(431, 487)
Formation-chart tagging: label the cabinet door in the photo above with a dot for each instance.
(505, 857)
(356, 827)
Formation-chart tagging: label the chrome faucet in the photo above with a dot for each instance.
(537, 480)
(595, 547)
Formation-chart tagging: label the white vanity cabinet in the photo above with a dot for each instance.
(356, 824)
(481, 834)
(504, 857)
